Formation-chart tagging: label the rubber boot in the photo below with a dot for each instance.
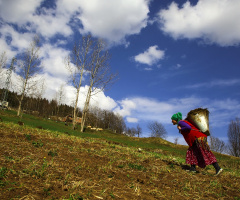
(217, 168)
(193, 168)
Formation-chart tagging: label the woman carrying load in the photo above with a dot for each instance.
(198, 152)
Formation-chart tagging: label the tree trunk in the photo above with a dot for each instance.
(76, 102)
(22, 95)
(30, 67)
(85, 109)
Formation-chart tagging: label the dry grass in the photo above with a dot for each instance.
(40, 164)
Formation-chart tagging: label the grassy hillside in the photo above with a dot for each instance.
(55, 162)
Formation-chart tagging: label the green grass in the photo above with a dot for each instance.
(102, 165)
(34, 122)
(157, 146)
(146, 143)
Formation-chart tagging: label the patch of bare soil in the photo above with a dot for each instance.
(37, 164)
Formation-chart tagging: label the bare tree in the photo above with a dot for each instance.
(3, 60)
(108, 117)
(76, 64)
(41, 89)
(99, 74)
(139, 130)
(60, 97)
(216, 144)
(157, 129)
(176, 140)
(7, 83)
(98, 115)
(131, 132)
(234, 137)
(39, 93)
(29, 68)
(117, 123)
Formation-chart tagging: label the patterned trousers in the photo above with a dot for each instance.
(199, 154)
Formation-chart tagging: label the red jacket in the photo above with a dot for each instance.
(190, 135)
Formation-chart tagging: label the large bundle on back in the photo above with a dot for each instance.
(200, 118)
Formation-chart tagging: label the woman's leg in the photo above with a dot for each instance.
(217, 168)
(193, 168)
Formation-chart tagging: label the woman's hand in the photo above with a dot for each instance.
(179, 128)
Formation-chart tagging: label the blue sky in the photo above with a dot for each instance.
(171, 56)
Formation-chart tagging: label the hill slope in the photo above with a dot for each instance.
(41, 164)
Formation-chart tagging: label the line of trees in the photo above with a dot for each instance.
(3, 60)
(134, 131)
(234, 137)
(233, 146)
(156, 130)
(46, 108)
(40, 106)
(88, 62)
(28, 67)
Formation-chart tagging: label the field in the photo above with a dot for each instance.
(43, 159)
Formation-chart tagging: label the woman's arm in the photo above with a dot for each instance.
(183, 126)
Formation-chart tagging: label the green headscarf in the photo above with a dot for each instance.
(177, 117)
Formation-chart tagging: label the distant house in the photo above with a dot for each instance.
(94, 128)
(69, 118)
(78, 120)
(54, 118)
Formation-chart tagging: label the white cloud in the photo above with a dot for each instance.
(151, 56)
(49, 26)
(18, 11)
(102, 101)
(219, 83)
(178, 66)
(6, 48)
(53, 63)
(113, 20)
(148, 109)
(15, 40)
(145, 109)
(52, 86)
(148, 69)
(98, 98)
(48, 22)
(215, 21)
(132, 120)
(126, 106)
